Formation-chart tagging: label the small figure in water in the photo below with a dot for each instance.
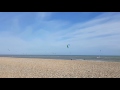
(71, 59)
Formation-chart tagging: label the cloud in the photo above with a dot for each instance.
(94, 26)
(43, 15)
(94, 34)
(93, 31)
(49, 36)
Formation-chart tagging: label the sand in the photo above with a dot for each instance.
(50, 68)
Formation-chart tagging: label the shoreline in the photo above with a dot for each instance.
(96, 60)
(11, 67)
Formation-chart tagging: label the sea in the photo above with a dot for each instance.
(69, 57)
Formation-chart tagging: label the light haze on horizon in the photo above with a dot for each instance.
(49, 33)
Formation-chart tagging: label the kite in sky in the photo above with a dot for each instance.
(68, 45)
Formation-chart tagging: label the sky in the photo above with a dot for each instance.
(49, 33)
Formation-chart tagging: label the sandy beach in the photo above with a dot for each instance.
(49, 68)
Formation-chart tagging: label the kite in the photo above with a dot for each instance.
(68, 45)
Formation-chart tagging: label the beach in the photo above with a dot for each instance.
(11, 67)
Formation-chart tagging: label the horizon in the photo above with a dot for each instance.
(51, 55)
(49, 33)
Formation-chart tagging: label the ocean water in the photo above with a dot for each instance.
(69, 57)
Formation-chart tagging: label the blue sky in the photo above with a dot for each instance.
(50, 32)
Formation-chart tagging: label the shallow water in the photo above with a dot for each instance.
(69, 57)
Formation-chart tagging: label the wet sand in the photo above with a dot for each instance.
(51, 68)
